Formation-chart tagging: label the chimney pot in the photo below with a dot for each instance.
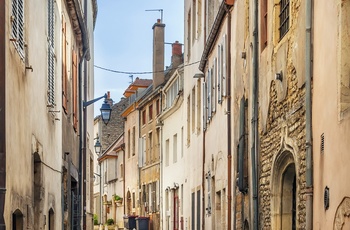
(108, 94)
(177, 48)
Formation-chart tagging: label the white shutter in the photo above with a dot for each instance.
(219, 76)
(213, 87)
(204, 95)
(209, 93)
(140, 152)
(224, 66)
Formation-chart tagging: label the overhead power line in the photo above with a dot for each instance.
(137, 73)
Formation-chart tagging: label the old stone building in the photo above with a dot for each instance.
(44, 57)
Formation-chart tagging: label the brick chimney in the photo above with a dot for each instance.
(176, 58)
(158, 53)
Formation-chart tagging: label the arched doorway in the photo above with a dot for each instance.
(283, 191)
(17, 220)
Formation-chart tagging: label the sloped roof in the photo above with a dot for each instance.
(138, 83)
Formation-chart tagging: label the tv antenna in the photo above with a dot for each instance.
(161, 13)
(132, 78)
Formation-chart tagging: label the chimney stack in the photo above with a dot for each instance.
(176, 58)
(158, 53)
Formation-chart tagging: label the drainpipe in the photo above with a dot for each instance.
(308, 76)
(255, 138)
(2, 115)
(203, 179)
(229, 138)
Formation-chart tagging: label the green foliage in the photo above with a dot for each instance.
(110, 222)
(95, 219)
(116, 197)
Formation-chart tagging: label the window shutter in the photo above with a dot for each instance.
(18, 25)
(51, 54)
(140, 152)
(64, 66)
(213, 88)
(204, 95)
(242, 182)
(209, 93)
(219, 76)
(75, 90)
(224, 68)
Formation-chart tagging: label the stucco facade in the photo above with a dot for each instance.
(42, 49)
(330, 109)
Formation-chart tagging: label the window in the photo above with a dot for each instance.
(150, 112)
(263, 24)
(150, 148)
(199, 210)
(194, 14)
(175, 148)
(51, 219)
(188, 119)
(17, 20)
(51, 52)
(213, 87)
(167, 152)
(189, 34)
(193, 109)
(209, 92)
(199, 105)
(172, 92)
(75, 90)
(64, 67)
(122, 171)
(284, 17)
(205, 106)
(133, 140)
(193, 211)
(129, 149)
(133, 200)
(143, 117)
(17, 220)
(219, 81)
(158, 107)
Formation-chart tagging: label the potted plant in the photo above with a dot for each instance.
(117, 199)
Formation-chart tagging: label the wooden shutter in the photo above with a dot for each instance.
(204, 89)
(75, 90)
(209, 93)
(213, 88)
(64, 66)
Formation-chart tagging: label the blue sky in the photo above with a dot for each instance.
(123, 39)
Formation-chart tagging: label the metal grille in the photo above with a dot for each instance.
(51, 55)
(18, 25)
(75, 212)
(322, 143)
(284, 17)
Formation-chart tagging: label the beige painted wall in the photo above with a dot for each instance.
(330, 167)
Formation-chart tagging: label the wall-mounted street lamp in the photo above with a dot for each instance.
(98, 149)
(106, 116)
(106, 109)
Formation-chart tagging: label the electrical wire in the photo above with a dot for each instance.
(138, 73)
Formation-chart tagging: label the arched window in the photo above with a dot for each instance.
(284, 190)
(17, 220)
(51, 220)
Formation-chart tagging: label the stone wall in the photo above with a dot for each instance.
(285, 127)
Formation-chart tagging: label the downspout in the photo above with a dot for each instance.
(2, 114)
(123, 149)
(203, 179)
(81, 150)
(229, 136)
(308, 103)
(255, 138)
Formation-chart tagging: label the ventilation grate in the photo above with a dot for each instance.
(322, 143)
(326, 198)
